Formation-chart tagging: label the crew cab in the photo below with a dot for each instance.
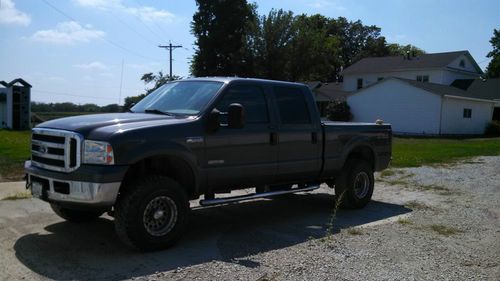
(197, 138)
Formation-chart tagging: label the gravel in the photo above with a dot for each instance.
(427, 223)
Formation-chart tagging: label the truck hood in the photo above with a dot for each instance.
(84, 124)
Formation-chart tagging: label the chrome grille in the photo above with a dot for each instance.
(56, 150)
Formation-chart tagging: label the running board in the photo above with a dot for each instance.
(239, 198)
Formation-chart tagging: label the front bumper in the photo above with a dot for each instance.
(70, 192)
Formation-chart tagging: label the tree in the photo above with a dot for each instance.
(493, 69)
(222, 30)
(401, 50)
(339, 111)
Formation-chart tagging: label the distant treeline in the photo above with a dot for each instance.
(71, 107)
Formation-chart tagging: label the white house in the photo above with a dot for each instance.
(414, 107)
(415, 95)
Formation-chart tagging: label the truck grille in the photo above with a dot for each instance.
(56, 150)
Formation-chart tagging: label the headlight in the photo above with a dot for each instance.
(98, 152)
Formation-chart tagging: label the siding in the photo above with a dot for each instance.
(350, 81)
(409, 109)
(454, 123)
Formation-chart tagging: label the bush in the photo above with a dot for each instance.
(338, 111)
(493, 128)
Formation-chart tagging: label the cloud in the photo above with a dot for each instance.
(10, 15)
(320, 4)
(95, 65)
(145, 13)
(67, 33)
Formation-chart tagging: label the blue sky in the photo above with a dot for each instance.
(73, 50)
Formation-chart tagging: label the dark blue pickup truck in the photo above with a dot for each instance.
(200, 137)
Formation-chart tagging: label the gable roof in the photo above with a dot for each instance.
(399, 63)
(480, 88)
(15, 81)
(437, 89)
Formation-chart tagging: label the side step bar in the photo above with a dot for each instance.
(239, 198)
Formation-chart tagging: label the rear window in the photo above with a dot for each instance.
(292, 106)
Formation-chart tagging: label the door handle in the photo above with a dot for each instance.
(273, 138)
(314, 137)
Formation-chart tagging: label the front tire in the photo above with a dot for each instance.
(354, 188)
(151, 214)
(75, 215)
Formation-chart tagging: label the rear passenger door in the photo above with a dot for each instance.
(242, 157)
(299, 135)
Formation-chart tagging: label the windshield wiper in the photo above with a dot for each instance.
(157, 111)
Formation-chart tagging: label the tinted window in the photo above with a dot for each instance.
(292, 106)
(253, 100)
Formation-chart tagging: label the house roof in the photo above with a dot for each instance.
(399, 63)
(480, 88)
(327, 91)
(15, 81)
(437, 89)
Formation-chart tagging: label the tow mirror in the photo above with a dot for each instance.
(213, 120)
(236, 116)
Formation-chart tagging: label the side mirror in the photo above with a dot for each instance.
(236, 116)
(213, 120)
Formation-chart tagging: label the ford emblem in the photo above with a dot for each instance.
(43, 149)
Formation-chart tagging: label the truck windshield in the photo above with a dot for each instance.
(183, 98)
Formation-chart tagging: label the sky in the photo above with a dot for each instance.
(95, 51)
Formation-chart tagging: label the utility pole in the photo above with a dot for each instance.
(170, 48)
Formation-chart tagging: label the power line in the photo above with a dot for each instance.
(68, 94)
(170, 48)
(104, 39)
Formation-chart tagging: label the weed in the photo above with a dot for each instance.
(18, 196)
(338, 202)
(404, 221)
(354, 231)
(415, 205)
(444, 230)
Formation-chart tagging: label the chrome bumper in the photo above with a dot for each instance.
(64, 191)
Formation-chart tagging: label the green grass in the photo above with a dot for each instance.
(409, 152)
(14, 150)
(444, 230)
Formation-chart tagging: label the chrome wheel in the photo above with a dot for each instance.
(361, 185)
(160, 216)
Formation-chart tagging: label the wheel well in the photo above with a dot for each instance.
(363, 152)
(169, 166)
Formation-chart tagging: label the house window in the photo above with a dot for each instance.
(462, 63)
(380, 78)
(360, 83)
(467, 113)
(423, 78)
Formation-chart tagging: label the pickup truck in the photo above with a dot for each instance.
(197, 138)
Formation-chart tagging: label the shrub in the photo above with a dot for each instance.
(493, 128)
(338, 111)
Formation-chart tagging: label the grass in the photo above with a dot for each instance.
(444, 230)
(408, 152)
(18, 196)
(404, 221)
(14, 150)
(354, 231)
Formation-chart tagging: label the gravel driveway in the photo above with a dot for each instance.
(428, 223)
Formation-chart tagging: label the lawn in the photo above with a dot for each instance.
(14, 150)
(407, 152)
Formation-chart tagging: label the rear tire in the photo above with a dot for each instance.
(152, 213)
(354, 188)
(75, 215)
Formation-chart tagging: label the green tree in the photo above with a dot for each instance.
(222, 30)
(493, 69)
(339, 111)
(401, 50)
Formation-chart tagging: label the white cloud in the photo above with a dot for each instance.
(320, 4)
(10, 15)
(95, 65)
(69, 32)
(145, 13)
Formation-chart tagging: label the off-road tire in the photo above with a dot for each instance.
(75, 215)
(131, 223)
(348, 188)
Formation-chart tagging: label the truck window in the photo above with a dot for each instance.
(292, 106)
(253, 100)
